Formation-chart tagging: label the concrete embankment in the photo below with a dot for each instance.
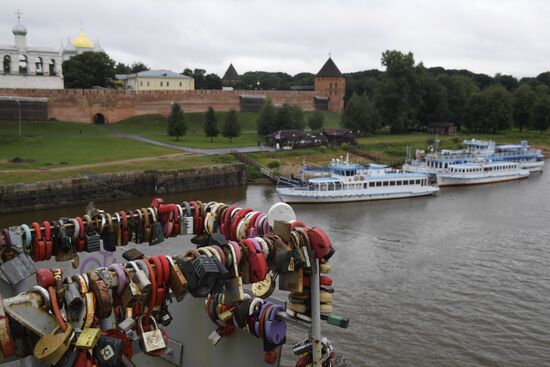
(113, 186)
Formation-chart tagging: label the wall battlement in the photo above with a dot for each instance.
(86, 105)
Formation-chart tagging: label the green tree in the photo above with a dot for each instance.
(491, 110)
(138, 66)
(360, 115)
(87, 70)
(199, 76)
(315, 120)
(523, 99)
(394, 96)
(297, 118)
(434, 106)
(265, 124)
(460, 89)
(540, 114)
(211, 124)
(177, 125)
(231, 126)
(187, 72)
(283, 118)
(212, 81)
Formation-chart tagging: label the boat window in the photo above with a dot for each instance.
(371, 184)
(378, 183)
(392, 183)
(365, 185)
(418, 182)
(399, 183)
(385, 183)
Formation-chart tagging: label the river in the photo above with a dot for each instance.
(459, 279)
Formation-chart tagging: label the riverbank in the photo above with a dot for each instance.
(117, 186)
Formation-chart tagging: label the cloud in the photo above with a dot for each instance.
(486, 36)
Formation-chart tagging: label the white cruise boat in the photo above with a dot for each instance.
(438, 161)
(342, 181)
(480, 172)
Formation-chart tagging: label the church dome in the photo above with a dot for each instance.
(82, 41)
(19, 30)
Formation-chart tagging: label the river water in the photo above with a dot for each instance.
(459, 279)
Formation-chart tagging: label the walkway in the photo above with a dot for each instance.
(205, 151)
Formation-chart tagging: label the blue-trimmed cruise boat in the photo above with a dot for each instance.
(342, 181)
(439, 161)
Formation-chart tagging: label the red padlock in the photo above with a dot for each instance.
(256, 261)
(319, 241)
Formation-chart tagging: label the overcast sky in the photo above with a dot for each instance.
(489, 36)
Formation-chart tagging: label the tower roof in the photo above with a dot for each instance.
(231, 73)
(329, 69)
(82, 41)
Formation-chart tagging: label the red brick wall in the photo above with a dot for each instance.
(334, 88)
(82, 104)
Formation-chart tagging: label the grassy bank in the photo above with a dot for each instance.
(162, 163)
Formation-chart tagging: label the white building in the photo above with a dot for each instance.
(27, 66)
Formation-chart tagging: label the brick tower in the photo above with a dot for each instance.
(330, 82)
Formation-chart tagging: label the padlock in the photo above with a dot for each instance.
(18, 268)
(51, 348)
(93, 242)
(108, 351)
(165, 317)
(202, 274)
(131, 294)
(292, 281)
(88, 338)
(73, 299)
(137, 224)
(128, 323)
(15, 237)
(233, 291)
(177, 282)
(141, 278)
(151, 340)
(117, 226)
(109, 235)
(157, 233)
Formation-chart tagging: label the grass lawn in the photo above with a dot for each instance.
(161, 164)
(50, 128)
(154, 127)
(53, 151)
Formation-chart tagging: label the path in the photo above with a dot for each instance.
(206, 151)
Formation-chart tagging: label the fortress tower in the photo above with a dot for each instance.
(330, 82)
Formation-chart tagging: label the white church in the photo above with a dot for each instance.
(30, 67)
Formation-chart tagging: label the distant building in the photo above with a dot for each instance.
(442, 128)
(29, 67)
(331, 85)
(338, 136)
(294, 139)
(80, 45)
(157, 80)
(231, 77)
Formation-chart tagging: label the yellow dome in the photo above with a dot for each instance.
(82, 41)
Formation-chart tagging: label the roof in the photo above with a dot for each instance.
(329, 69)
(231, 73)
(281, 134)
(337, 132)
(161, 73)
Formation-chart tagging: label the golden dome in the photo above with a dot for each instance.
(82, 41)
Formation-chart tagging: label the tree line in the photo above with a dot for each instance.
(408, 96)
(177, 124)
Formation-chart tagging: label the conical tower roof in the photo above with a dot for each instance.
(329, 70)
(231, 73)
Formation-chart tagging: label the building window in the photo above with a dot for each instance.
(161, 84)
(180, 84)
(22, 64)
(38, 66)
(167, 84)
(141, 84)
(7, 64)
(147, 83)
(52, 67)
(330, 86)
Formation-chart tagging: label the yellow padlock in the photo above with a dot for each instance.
(51, 348)
(88, 338)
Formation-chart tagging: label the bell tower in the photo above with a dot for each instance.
(20, 33)
(329, 82)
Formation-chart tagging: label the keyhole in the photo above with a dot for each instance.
(44, 350)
